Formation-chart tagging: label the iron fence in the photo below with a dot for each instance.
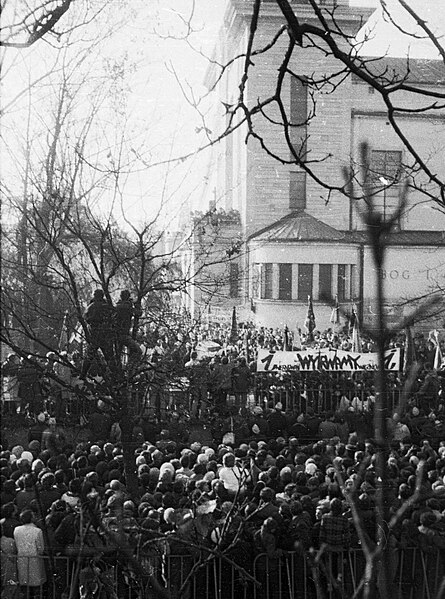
(415, 574)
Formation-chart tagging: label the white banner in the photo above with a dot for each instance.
(324, 359)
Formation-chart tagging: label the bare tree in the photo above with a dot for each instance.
(25, 23)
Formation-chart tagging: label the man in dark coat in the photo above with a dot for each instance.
(277, 422)
(30, 386)
(99, 316)
(241, 382)
(125, 311)
(259, 427)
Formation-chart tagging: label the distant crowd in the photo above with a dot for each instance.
(215, 368)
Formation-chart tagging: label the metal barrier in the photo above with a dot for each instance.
(296, 392)
(299, 390)
(415, 575)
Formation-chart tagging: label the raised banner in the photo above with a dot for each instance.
(325, 359)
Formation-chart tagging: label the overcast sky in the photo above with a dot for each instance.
(160, 120)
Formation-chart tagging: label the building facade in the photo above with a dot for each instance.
(302, 236)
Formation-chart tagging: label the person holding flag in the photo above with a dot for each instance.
(309, 323)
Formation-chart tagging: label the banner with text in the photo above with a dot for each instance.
(324, 359)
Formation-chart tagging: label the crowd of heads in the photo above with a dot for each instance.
(274, 494)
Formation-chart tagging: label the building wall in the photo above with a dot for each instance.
(252, 181)
(337, 131)
(272, 313)
(408, 273)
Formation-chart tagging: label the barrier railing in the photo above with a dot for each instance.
(296, 394)
(415, 574)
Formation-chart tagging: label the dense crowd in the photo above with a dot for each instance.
(249, 463)
(266, 493)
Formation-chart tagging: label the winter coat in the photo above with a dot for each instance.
(30, 547)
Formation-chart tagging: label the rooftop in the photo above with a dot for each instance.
(301, 226)
(389, 69)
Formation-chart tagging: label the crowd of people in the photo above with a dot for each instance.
(264, 491)
(178, 359)
(238, 466)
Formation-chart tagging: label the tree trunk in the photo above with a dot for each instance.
(128, 446)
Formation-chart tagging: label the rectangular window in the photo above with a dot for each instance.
(234, 280)
(297, 190)
(285, 282)
(354, 281)
(341, 282)
(298, 115)
(256, 280)
(325, 281)
(387, 164)
(266, 281)
(385, 169)
(305, 276)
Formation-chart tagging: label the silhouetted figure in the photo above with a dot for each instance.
(99, 317)
(125, 311)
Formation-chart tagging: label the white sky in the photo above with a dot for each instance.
(384, 37)
(160, 123)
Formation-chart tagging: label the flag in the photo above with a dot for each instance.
(433, 337)
(438, 358)
(309, 323)
(351, 321)
(287, 344)
(246, 344)
(297, 339)
(234, 329)
(356, 341)
(409, 354)
(335, 314)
